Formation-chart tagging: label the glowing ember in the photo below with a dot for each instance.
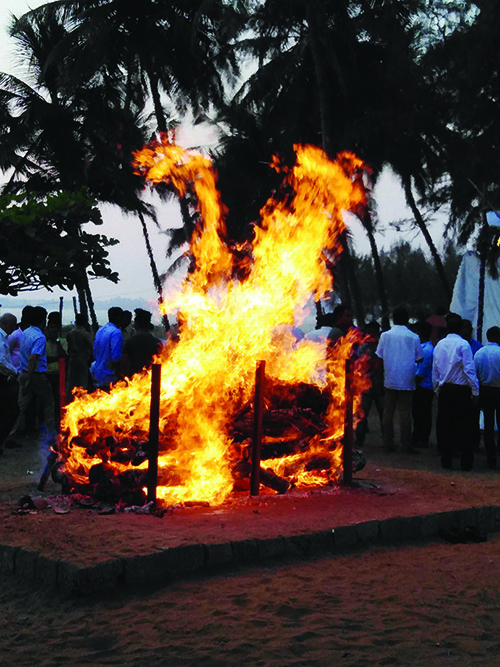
(227, 325)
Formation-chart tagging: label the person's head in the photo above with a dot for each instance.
(38, 317)
(342, 317)
(493, 334)
(115, 316)
(400, 316)
(424, 330)
(26, 317)
(372, 328)
(126, 319)
(142, 320)
(454, 323)
(81, 321)
(54, 319)
(8, 322)
(466, 331)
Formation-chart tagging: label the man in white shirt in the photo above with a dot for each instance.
(487, 363)
(399, 348)
(454, 379)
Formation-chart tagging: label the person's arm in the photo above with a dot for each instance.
(32, 364)
(470, 369)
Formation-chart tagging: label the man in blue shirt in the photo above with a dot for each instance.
(108, 345)
(487, 363)
(9, 389)
(33, 380)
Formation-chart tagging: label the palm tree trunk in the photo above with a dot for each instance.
(322, 86)
(90, 304)
(410, 199)
(154, 269)
(368, 225)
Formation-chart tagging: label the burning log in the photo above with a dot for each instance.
(241, 474)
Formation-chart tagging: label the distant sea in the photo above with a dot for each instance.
(15, 305)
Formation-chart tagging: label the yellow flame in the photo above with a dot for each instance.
(227, 326)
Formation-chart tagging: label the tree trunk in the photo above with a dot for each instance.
(322, 86)
(161, 121)
(357, 305)
(90, 304)
(410, 199)
(368, 225)
(154, 269)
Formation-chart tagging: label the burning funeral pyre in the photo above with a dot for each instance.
(227, 325)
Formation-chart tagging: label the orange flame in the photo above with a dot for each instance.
(227, 326)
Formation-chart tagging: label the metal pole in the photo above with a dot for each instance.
(154, 426)
(348, 429)
(257, 427)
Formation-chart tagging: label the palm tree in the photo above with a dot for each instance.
(333, 74)
(177, 54)
(63, 138)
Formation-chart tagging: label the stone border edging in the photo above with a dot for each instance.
(173, 563)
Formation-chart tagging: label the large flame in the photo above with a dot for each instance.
(228, 325)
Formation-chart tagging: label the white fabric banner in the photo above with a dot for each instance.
(466, 295)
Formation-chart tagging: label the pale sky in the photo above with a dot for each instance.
(129, 257)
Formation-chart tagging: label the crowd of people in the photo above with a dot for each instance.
(33, 350)
(410, 364)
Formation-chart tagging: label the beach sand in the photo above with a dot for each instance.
(436, 604)
(422, 604)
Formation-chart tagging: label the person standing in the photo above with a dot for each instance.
(399, 348)
(341, 322)
(80, 348)
(141, 347)
(108, 346)
(466, 332)
(9, 388)
(15, 337)
(33, 381)
(487, 363)
(454, 379)
(375, 370)
(424, 392)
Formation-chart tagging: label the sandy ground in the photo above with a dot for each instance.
(429, 604)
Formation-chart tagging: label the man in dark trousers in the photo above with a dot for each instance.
(33, 380)
(9, 388)
(454, 379)
(487, 363)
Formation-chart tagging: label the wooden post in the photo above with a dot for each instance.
(257, 427)
(348, 429)
(62, 382)
(154, 425)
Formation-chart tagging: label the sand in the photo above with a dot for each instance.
(434, 603)
(424, 605)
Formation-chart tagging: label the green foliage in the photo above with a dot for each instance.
(43, 243)
(410, 279)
